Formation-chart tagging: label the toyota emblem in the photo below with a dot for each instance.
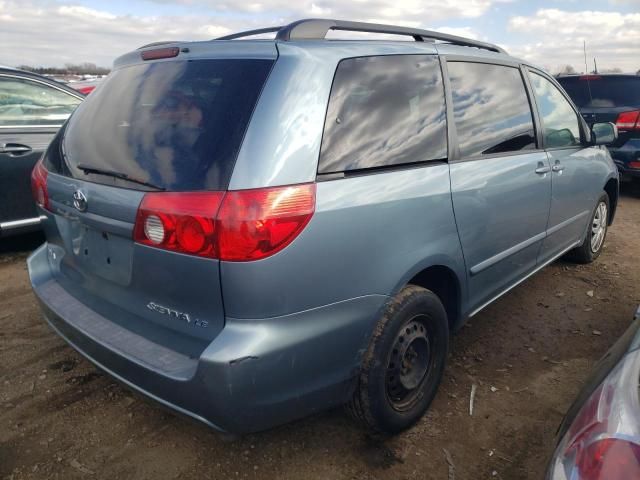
(79, 201)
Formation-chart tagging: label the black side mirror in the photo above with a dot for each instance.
(604, 133)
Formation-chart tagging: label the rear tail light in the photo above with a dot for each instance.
(234, 226)
(628, 120)
(610, 458)
(634, 164)
(181, 222)
(257, 223)
(603, 440)
(39, 185)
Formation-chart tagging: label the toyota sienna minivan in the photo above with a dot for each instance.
(249, 231)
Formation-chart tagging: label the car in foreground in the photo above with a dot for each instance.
(32, 109)
(599, 437)
(253, 231)
(611, 98)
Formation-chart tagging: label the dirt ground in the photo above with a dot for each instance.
(528, 354)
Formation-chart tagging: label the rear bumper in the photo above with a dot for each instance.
(629, 152)
(254, 375)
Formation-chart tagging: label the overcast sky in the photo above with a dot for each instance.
(549, 32)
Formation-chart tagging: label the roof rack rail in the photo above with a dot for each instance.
(317, 29)
(250, 33)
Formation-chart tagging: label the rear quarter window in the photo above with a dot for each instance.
(177, 125)
(491, 109)
(384, 111)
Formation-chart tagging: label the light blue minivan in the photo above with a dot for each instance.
(250, 231)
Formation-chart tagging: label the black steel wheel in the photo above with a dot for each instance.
(409, 364)
(403, 366)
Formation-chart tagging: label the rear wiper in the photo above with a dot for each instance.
(98, 171)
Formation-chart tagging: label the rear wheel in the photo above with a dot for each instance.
(593, 243)
(404, 363)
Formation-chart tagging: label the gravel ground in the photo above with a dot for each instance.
(528, 355)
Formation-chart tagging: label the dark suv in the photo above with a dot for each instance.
(250, 231)
(611, 98)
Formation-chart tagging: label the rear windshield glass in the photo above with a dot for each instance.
(603, 92)
(176, 125)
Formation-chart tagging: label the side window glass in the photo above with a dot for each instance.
(23, 102)
(384, 110)
(491, 109)
(559, 119)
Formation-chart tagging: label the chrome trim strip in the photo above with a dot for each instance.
(32, 126)
(561, 225)
(506, 253)
(521, 246)
(26, 222)
(532, 272)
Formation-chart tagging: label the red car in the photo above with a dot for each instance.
(85, 86)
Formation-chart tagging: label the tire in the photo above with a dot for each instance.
(389, 398)
(592, 248)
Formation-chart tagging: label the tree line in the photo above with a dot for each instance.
(68, 69)
(568, 70)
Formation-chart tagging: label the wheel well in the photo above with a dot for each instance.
(444, 283)
(612, 190)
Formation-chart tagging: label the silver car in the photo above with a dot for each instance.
(250, 231)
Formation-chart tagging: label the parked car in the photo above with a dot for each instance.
(32, 108)
(599, 437)
(611, 98)
(85, 86)
(253, 231)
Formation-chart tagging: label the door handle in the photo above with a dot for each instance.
(557, 168)
(14, 148)
(542, 168)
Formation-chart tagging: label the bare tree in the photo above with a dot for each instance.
(566, 70)
(610, 70)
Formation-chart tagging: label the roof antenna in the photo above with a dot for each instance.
(595, 66)
(586, 71)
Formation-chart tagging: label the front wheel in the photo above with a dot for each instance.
(593, 243)
(404, 363)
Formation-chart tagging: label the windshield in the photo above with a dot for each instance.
(594, 91)
(177, 125)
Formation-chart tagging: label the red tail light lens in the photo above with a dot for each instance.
(255, 224)
(181, 222)
(602, 441)
(628, 120)
(591, 419)
(234, 226)
(610, 459)
(39, 185)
